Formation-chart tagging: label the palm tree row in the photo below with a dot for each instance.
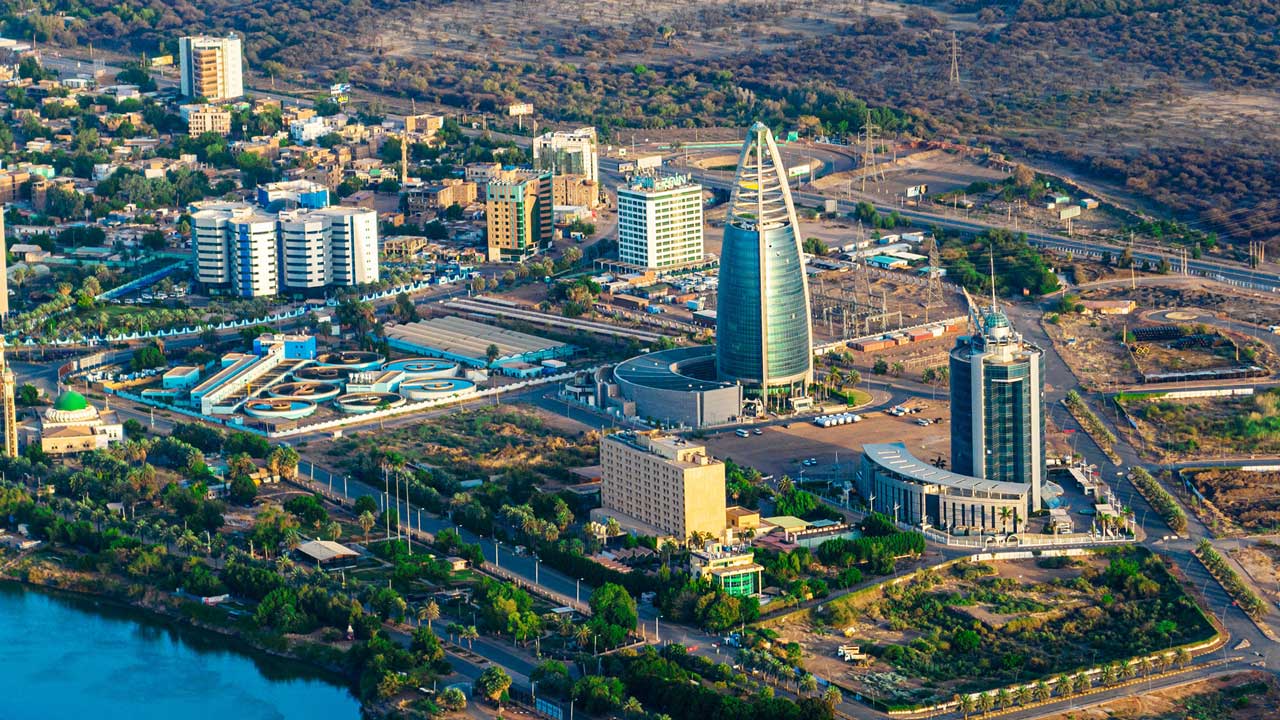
(1068, 684)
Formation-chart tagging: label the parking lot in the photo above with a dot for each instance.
(781, 450)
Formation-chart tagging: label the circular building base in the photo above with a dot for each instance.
(360, 403)
(279, 408)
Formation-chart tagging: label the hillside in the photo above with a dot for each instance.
(1173, 103)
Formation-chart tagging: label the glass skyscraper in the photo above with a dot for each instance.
(997, 405)
(763, 336)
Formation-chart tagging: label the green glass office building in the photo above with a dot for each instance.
(997, 405)
(763, 335)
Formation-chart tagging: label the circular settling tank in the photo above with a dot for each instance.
(306, 390)
(435, 389)
(422, 368)
(357, 403)
(352, 359)
(316, 373)
(279, 408)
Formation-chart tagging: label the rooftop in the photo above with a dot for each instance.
(687, 368)
(326, 550)
(468, 338)
(896, 458)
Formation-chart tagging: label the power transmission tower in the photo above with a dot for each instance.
(862, 289)
(869, 166)
(955, 60)
(933, 291)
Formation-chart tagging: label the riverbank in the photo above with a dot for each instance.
(320, 662)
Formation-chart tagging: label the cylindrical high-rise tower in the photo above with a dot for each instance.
(997, 405)
(763, 335)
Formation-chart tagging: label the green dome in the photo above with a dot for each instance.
(71, 401)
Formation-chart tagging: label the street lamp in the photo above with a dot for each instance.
(577, 594)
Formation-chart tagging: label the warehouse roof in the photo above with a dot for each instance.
(468, 338)
(326, 550)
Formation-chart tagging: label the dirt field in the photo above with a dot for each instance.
(1240, 305)
(780, 450)
(941, 171)
(1249, 500)
(1262, 563)
(1091, 347)
(1176, 703)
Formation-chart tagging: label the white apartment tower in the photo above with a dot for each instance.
(354, 233)
(568, 152)
(255, 268)
(211, 67)
(252, 253)
(660, 222)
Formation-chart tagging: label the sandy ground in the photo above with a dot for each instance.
(1169, 703)
(1262, 563)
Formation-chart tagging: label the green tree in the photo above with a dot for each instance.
(452, 699)
(493, 684)
(243, 490)
(27, 395)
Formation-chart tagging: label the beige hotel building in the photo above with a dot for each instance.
(662, 485)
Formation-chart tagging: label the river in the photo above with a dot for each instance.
(71, 658)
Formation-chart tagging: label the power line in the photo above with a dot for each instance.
(955, 60)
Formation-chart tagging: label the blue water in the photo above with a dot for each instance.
(70, 658)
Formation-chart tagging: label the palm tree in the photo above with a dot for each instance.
(471, 634)
(1127, 670)
(333, 530)
(1005, 514)
(1182, 657)
(1004, 698)
(966, 704)
(809, 684)
(1145, 666)
(832, 696)
(292, 538)
(454, 630)
(1024, 694)
(1065, 685)
(366, 521)
(582, 635)
(1166, 662)
(429, 612)
(1109, 674)
(985, 702)
(1041, 690)
(1084, 681)
(632, 707)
